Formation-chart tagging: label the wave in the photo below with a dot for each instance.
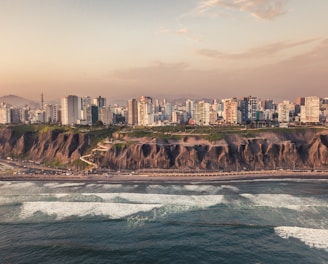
(296, 180)
(62, 210)
(191, 189)
(158, 213)
(314, 238)
(210, 188)
(14, 199)
(137, 198)
(136, 206)
(284, 201)
(19, 184)
(62, 185)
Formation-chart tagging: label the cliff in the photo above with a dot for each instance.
(304, 149)
(294, 149)
(52, 146)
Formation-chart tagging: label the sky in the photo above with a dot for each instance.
(275, 49)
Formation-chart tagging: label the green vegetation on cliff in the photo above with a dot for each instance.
(59, 146)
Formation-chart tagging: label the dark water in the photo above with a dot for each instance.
(233, 222)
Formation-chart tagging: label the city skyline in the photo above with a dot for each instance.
(148, 111)
(120, 49)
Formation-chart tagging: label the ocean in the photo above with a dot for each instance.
(255, 221)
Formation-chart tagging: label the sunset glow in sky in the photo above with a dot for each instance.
(187, 48)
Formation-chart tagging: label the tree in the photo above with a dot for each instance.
(99, 123)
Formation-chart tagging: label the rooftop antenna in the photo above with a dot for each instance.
(41, 101)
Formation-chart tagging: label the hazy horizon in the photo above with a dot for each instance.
(275, 49)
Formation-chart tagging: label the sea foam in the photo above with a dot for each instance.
(283, 201)
(188, 200)
(209, 188)
(62, 210)
(314, 238)
(62, 185)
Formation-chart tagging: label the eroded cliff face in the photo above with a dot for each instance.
(53, 145)
(295, 150)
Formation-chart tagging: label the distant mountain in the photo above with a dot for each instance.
(18, 101)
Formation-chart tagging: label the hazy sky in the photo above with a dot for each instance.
(173, 48)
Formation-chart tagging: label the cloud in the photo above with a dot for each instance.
(254, 53)
(301, 75)
(262, 9)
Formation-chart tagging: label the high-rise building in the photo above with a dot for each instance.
(283, 112)
(310, 111)
(324, 110)
(15, 115)
(300, 100)
(156, 106)
(51, 113)
(39, 116)
(56, 113)
(190, 108)
(230, 113)
(99, 101)
(213, 118)
(71, 109)
(94, 114)
(202, 113)
(132, 112)
(106, 115)
(252, 108)
(145, 111)
(267, 104)
(168, 111)
(248, 107)
(86, 102)
(179, 117)
(24, 114)
(5, 114)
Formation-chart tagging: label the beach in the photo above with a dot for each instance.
(11, 171)
(172, 177)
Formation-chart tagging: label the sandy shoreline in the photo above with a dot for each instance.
(174, 178)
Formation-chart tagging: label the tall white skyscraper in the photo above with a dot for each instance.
(283, 111)
(252, 107)
(202, 113)
(310, 111)
(71, 109)
(145, 111)
(51, 113)
(5, 116)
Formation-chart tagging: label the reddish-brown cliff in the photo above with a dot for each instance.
(297, 149)
(52, 145)
(294, 150)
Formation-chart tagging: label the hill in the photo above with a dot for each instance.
(18, 101)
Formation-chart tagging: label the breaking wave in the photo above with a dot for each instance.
(62, 210)
(314, 238)
(284, 201)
